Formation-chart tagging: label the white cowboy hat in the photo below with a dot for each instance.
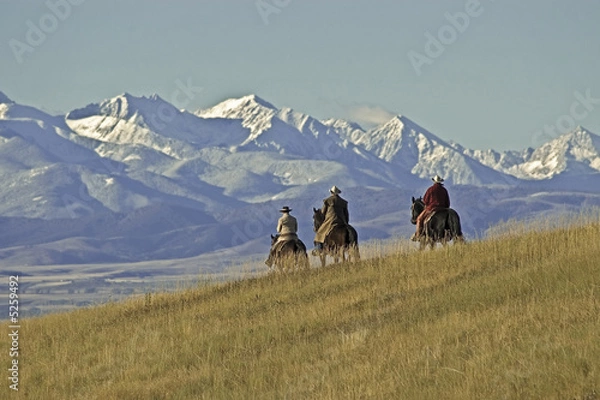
(437, 179)
(285, 209)
(334, 189)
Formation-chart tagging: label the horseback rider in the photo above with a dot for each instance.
(287, 229)
(335, 211)
(436, 197)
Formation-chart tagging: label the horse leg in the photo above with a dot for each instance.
(322, 257)
(291, 261)
(340, 254)
(444, 241)
(288, 260)
(300, 259)
(356, 251)
(281, 264)
(304, 264)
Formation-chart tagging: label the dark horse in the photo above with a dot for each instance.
(289, 254)
(442, 227)
(339, 241)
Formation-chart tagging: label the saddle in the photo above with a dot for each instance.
(352, 234)
(433, 213)
(277, 247)
(430, 216)
(426, 222)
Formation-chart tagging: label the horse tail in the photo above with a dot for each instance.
(300, 246)
(353, 243)
(454, 224)
(352, 235)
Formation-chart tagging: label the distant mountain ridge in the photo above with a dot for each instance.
(141, 156)
(574, 153)
(254, 124)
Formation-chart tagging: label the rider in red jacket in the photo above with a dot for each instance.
(436, 197)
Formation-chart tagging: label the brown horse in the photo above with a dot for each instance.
(442, 227)
(289, 255)
(340, 241)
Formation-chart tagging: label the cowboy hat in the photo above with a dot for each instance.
(285, 209)
(437, 179)
(334, 189)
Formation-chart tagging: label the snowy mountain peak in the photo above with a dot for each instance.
(256, 114)
(400, 122)
(252, 98)
(126, 106)
(143, 104)
(4, 99)
(574, 143)
(578, 134)
(572, 154)
(342, 124)
(398, 129)
(156, 97)
(127, 119)
(398, 139)
(558, 155)
(238, 108)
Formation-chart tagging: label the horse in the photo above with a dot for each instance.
(289, 254)
(442, 227)
(340, 241)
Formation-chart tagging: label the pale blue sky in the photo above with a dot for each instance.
(515, 68)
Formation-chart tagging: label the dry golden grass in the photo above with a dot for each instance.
(515, 317)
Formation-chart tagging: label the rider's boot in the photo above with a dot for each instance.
(318, 249)
(416, 236)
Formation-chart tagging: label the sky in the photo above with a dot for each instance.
(501, 74)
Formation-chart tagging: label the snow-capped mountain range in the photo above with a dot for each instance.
(133, 178)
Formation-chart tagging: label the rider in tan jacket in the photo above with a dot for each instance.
(287, 229)
(287, 226)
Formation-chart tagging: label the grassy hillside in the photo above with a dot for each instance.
(516, 317)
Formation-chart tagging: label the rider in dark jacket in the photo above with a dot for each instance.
(335, 211)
